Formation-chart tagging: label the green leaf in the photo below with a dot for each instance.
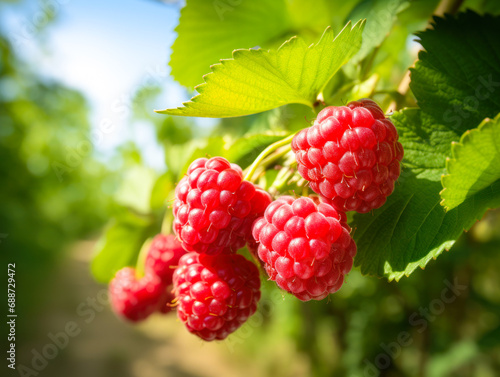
(161, 190)
(380, 16)
(135, 189)
(245, 150)
(120, 245)
(207, 147)
(257, 80)
(457, 77)
(412, 228)
(475, 163)
(224, 27)
(176, 157)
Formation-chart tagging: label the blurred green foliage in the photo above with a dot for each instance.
(52, 190)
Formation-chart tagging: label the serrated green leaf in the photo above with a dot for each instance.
(120, 245)
(475, 163)
(224, 27)
(412, 228)
(257, 80)
(457, 77)
(380, 16)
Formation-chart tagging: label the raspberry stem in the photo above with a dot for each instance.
(271, 148)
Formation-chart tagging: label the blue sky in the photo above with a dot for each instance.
(106, 49)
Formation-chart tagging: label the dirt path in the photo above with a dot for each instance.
(106, 346)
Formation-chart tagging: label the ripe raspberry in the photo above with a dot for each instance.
(215, 294)
(350, 155)
(163, 256)
(304, 246)
(214, 207)
(135, 299)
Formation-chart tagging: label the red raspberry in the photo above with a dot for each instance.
(135, 299)
(215, 294)
(214, 207)
(304, 246)
(163, 256)
(350, 155)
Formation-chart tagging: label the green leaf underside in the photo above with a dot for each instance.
(245, 25)
(119, 246)
(412, 227)
(475, 164)
(258, 80)
(457, 77)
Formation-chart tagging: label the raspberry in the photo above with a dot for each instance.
(163, 256)
(214, 207)
(305, 247)
(135, 299)
(215, 294)
(350, 155)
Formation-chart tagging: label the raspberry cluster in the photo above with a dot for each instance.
(215, 208)
(135, 298)
(305, 247)
(350, 155)
(215, 294)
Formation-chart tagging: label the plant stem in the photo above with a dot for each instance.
(271, 148)
(448, 6)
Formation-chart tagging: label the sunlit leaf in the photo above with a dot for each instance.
(475, 164)
(258, 80)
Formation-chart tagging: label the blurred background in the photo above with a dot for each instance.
(86, 165)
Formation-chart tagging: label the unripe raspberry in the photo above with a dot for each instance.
(214, 207)
(215, 294)
(304, 246)
(163, 257)
(350, 155)
(135, 299)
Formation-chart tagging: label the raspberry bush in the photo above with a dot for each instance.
(303, 200)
